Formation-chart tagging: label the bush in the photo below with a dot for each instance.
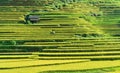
(9, 42)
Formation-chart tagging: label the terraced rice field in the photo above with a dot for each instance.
(44, 47)
(59, 45)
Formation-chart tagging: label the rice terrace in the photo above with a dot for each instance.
(59, 36)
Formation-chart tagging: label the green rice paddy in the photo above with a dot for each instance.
(79, 37)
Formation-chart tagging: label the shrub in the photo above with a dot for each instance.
(9, 42)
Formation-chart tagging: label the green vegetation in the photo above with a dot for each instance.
(8, 42)
(81, 36)
(94, 12)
